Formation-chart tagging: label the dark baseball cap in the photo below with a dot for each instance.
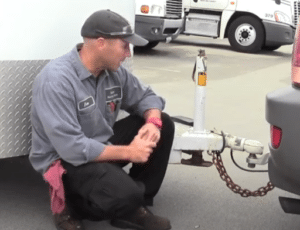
(108, 24)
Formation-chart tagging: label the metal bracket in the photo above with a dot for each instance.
(253, 160)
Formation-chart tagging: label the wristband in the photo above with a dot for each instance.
(155, 121)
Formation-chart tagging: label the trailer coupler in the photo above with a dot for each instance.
(192, 142)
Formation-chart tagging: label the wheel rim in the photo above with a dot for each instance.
(245, 34)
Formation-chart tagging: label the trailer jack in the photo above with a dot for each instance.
(196, 139)
(192, 138)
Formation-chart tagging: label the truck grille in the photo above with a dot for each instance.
(174, 8)
(296, 12)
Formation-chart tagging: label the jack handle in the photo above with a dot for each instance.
(201, 55)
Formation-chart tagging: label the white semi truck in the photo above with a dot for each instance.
(249, 25)
(32, 33)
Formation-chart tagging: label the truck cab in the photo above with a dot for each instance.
(250, 26)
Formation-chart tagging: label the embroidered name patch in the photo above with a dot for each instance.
(114, 93)
(86, 103)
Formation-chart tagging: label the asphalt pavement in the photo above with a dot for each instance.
(191, 197)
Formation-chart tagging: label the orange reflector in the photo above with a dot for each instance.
(145, 9)
(202, 78)
(232, 3)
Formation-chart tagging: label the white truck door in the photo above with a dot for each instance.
(217, 5)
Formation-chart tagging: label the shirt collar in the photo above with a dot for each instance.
(82, 71)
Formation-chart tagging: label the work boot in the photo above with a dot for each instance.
(64, 221)
(142, 219)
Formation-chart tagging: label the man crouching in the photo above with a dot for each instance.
(78, 145)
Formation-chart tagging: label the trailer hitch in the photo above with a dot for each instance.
(195, 140)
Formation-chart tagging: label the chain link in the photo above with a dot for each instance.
(262, 191)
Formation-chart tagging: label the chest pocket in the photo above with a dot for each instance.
(87, 115)
(113, 97)
(90, 118)
(92, 122)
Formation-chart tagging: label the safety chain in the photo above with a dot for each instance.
(217, 160)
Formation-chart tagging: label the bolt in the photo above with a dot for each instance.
(251, 156)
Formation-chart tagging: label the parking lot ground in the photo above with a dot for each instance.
(191, 197)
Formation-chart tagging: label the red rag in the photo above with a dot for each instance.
(57, 193)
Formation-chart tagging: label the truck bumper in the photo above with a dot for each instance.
(157, 29)
(282, 108)
(278, 34)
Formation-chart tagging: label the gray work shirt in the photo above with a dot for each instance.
(73, 112)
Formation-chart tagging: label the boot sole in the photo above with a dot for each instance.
(59, 228)
(126, 225)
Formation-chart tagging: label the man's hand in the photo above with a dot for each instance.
(143, 144)
(150, 132)
(141, 147)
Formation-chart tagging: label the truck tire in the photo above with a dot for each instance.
(246, 34)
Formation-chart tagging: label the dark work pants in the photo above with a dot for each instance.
(100, 191)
